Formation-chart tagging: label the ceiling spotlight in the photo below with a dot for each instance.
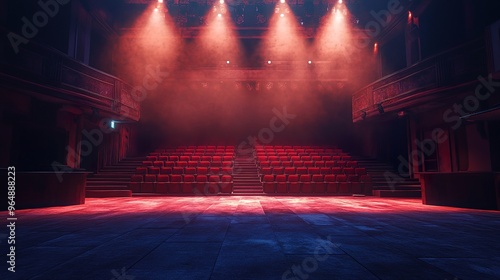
(269, 62)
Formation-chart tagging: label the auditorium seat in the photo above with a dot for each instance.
(305, 183)
(213, 185)
(166, 170)
(135, 182)
(301, 170)
(226, 184)
(162, 184)
(293, 183)
(279, 170)
(141, 170)
(343, 184)
(175, 183)
(169, 164)
(319, 163)
(309, 163)
(178, 170)
(331, 184)
(318, 183)
(188, 183)
(190, 170)
(204, 163)
(325, 170)
(281, 184)
(201, 184)
(149, 183)
(268, 184)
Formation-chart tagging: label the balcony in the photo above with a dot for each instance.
(425, 81)
(49, 74)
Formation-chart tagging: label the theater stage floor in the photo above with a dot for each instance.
(255, 238)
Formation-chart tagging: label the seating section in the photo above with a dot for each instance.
(198, 170)
(310, 170)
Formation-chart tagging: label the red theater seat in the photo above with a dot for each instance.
(175, 183)
(281, 184)
(201, 184)
(226, 184)
(309, 163)
(313, 170)
(268, 184)
(343, 185)
(318, 183)
(325, 170)
(331, 185)
(279, 170)
(305, 183)
(214, 184)
(188, 184)
(190, 170)
(162, 184)
(301, 170)
(141, 170)
(178, 170)
(204, 163)
(166, 170)
(293, 183)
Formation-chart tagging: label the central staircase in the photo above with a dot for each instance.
(246, 175)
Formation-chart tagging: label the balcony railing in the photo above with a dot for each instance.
(41, 70)
(454, 67)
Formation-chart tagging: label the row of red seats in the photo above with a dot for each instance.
(318, 183)
(172, 164)
(310, 163)
(183, 170)
(199, 184)
(303, 158)
(313, 170)
(191, 158)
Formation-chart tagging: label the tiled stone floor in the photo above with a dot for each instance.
(254, 238)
